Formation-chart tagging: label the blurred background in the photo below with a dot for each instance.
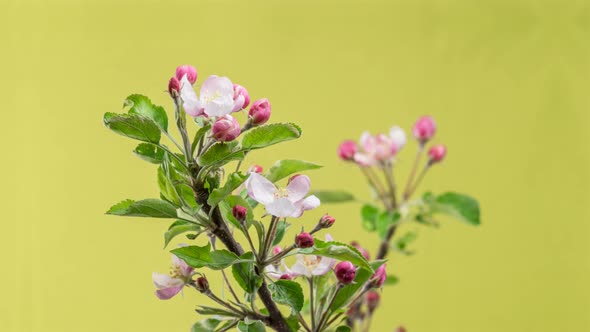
(506, 80)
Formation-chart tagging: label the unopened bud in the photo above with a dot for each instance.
(286, 277)
(239, 212)
(345, 272)
(400, 329)
(424, 129)
(202, 284)
(226, 129)
(173, 87)
(326, 221)
(362, 250)
(255, 169)
(346, 150)
(378, 278)
(437, 153)
(241, 98)
(260, 112)
(304, 240)
(277, 250)
(189, 71)
(372, 300)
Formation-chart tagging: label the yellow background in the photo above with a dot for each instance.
(508, 82)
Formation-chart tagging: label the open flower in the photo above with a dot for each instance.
(375, 149)
(284, 202)
(217, 97)
(310, 265)
(170, 285)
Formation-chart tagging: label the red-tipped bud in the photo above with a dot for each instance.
(345, 272)
(260, 112)
(226, 129)
(202, 284)
(239, 212)
(424, 129)
(346, 150)
(304, 240)
(326, 221)
(362, 250)
(173, 87)
(437, 153)
(255, 169)
(189, 71)
(401, 329)
(286, 277)
(372, 300)
(277, 250)
(378, 278)
(241, 98)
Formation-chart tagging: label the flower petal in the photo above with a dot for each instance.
(168, 293)
(298, 187)
(300, 268)
(368, 142)
(217, 96)
(191, 103)
(260, 189)
(164, 281)
(238, 103)
(364, 159)
(282, 207)
(185, 269)
(324, 266)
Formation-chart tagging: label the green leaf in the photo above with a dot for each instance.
(343, 328)
(369, 216)
(234, 180)
(287, 292)
(293, 322)
(219, 154)
(283, 168)
(339, 251)
(198, 135)
(178, 227)
(401, 243)
(459, 206)
(199, 257)
(245, 275)
(328, 197)
(385, 220)
(204, 310)
(142, 105)
(149, 152)
(133, 126)
(391, 280)
(282, 227)
(268, 135)
(251, 326)
(206, 325)
(150, 207)
(348, 292)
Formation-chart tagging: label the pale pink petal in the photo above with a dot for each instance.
(164, 281)
(168, 293)
(282, 207)
(273, 272)
(185, 269)
(191, 103)
(364, 159)
(311, 202)
(300, 268)
(260, 189)
(298, 187)
(398, 136)
(329, 238)
(238, 103)
(217, 96)
(367, 141)
(324, 266)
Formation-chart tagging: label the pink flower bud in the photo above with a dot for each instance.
(437, 153)
(255, 169)
(189, 71)
(372, 300)
(401, 329)
(173, 87)
(277, 250)
(424, 129)
(304, 240)
(241, 98)
(202, 285)
(260, 112)
(286, 277)
(362, 250)
(378, 278)
(326, 221)
(226, 129)
(346, 150)
(239, 212)
(345, 272)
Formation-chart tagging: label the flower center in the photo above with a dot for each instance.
(281, 193)
(311, 262)
(176, 272)
(207, 98)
